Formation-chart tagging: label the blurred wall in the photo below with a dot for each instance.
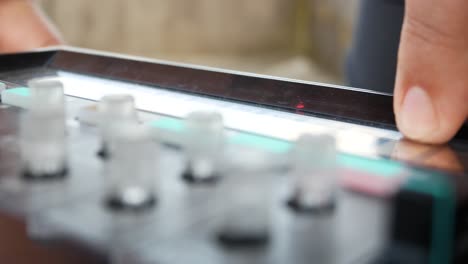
(173, 26)
(318, 30)
(331, 29)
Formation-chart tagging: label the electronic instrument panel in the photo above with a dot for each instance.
(388, 201)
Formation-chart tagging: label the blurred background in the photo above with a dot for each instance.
(300, 39)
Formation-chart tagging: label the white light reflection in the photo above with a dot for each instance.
(350, 138)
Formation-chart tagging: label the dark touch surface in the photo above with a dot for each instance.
(318, 100)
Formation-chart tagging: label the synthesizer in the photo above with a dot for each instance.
(107, 158)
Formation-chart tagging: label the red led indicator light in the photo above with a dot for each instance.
(300, 105)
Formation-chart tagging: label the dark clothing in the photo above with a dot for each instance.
(372, 59)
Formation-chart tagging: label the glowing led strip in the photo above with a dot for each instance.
(350, 137)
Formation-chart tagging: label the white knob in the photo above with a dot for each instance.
(243, 197)
(42, 131)
(131, 170)
(47, 96)
(314, 174)
(114, 110)
(204, 140)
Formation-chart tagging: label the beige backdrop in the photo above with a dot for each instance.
(304, 39)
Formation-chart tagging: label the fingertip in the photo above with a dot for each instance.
(419, 118)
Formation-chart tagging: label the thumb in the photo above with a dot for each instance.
(431, 93)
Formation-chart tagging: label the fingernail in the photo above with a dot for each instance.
(417, 118)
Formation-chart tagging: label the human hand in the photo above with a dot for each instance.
(23, 26)
(431, 92)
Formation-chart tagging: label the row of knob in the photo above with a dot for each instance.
(130, 155)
